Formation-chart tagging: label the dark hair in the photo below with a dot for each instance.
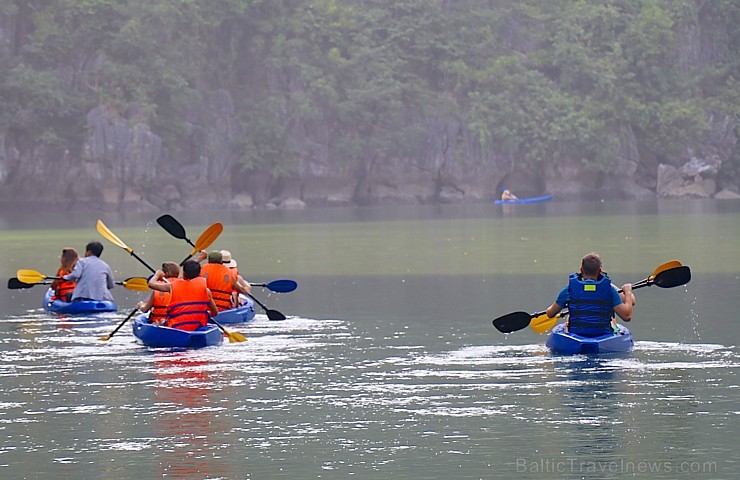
(190, 269)
(96, 248)
(591, 264)
(171, 269)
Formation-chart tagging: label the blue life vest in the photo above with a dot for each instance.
(590, 306)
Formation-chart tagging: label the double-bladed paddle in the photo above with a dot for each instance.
(108, 234)
(663, 277)
(175, 228)
(103, 230)
(29, 278)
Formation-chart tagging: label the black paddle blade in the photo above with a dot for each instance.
(15, 284)
(172, 226)
(512, 322)
(673, 277)
(275, 315)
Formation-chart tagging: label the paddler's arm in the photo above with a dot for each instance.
(624, 309)
(212, 308)
(559, 303)
(241, 285)
(146, 306)
(154, 282)
(553, 309)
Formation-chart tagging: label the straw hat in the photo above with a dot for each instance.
(227, 260)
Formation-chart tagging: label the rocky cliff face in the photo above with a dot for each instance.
(123, 164)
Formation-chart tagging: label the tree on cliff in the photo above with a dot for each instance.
(350, 86)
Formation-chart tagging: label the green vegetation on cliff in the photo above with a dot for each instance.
(535, 81)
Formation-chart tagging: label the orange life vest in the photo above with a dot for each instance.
(159, 306)
(63, 288)
(220, 280)
(188, 307)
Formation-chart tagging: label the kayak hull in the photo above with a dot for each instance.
(565, 343)
(544, 198)
(82, 307)
(243, 314)
(159, 336)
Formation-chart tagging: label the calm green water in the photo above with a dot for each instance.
(388, 366)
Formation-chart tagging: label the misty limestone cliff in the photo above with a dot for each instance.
(277, 131)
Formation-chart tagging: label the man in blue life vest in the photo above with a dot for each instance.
(592, 300)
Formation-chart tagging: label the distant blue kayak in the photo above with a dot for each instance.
(243, 314)
(544, 198)
(159, 336)
(562, 342)
(80, 307)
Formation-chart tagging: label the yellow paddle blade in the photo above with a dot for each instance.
(208, 237)
(30, 276)
(543, 323)
(664, 267)
(138, 284)
(105, 232)
(235, 337)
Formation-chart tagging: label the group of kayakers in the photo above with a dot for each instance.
(186, 303)
(86, 278)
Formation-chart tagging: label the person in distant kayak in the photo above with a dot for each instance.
(592, 300)
(507, 195)
(63, 289)
(228, 261)
(94, 277)
(222, 281)
(191, 303)
(158, 301)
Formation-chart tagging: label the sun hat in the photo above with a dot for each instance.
(227, 260)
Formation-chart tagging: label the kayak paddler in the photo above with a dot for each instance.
(592, 300)
(191, 303)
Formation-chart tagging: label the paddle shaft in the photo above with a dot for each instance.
(110, 236)
(271, 314)
(133, 312)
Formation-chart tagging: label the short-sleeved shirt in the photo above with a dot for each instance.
(564, 296)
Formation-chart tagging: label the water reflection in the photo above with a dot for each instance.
(590, 399)
(186, 417)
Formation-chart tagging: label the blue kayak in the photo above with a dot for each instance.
(80, 307)
(243, 314)
(544, 198)
(567, 343)
(160, 336)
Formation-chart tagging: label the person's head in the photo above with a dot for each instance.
(215, 257)
(190, 269)
(69, 257)
(171, 270)
(591, 265)
(227, 260)
(95, 248)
